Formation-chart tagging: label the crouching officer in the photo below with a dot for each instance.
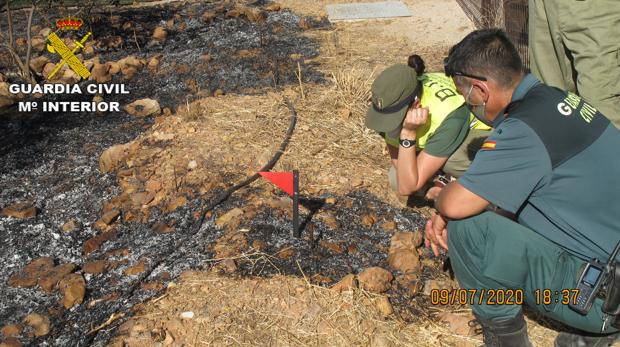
(552, 161)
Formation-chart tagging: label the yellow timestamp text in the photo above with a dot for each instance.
(476, 296)
(562, 296)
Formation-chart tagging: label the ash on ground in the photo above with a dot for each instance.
(50, 165)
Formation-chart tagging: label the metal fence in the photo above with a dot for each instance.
(510, 15)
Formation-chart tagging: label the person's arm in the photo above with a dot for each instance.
(457, 202)
(414, 170)
(505, 172)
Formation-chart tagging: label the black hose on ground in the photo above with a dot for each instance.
(272, 162)
(218, 200)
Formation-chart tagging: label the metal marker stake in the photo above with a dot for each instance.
(296, 231)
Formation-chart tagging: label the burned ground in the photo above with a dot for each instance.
(222, 73)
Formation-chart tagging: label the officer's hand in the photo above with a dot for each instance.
(433, 193)
(436, 233)
(416, 117)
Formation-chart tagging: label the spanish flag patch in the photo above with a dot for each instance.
(488, 145)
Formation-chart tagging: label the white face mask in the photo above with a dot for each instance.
(395, 134)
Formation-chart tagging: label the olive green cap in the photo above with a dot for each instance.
(393, 91)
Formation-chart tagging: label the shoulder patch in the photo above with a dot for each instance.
(488, 144)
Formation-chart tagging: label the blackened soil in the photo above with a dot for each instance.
(51, 160)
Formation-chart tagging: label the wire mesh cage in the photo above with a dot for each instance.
(510, 15)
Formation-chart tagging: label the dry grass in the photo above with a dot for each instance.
(281, 311)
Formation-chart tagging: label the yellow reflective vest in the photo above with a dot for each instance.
(440, 96)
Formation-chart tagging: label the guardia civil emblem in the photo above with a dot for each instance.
(68, 27)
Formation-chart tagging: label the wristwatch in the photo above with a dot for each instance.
(407, 143)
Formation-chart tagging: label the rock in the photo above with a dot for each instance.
(95, 267)
(49, 281)
(286, 252)
(253, 14)
(344, 113)
(4, 89)
(38, 43)
(19, 210)
(389, 226)
(368, 220)
(187, 315)
(6, 101)
(112, 157)
(458, 324)
(45, 32)
(405, 261)
(47, 70)
(10, 342)
(229, 216)
(274, 6)
(176, 203)
(402, 255)
(152, 286)
(131, 62)
(73, 289)
(115, 67)
(384, 306)
(375, 279)
(169, 340)
(110, 216)
(332, 246)
(136, 269)
(38, 63)
(304, 23)
(30, 274)
(431, 285)
(160, 34)
(72, 225)
(154, 62)
(89, 49)
(329, 220)
(230, 244)
(162, 228)
(143, 108)
(229, 266)
(347, 283)
(100, 73)
(142, 198)
(12, 330)
(406, 241)
(95, 242)
(40, 324)
(208, 16)
(153, 186)
(259, 245)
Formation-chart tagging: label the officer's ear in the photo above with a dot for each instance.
(481, 88)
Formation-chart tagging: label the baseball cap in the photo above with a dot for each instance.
(392, 92)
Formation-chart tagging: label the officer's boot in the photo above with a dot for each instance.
(505, 333)
(566, 339)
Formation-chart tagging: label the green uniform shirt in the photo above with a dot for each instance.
(552, 160)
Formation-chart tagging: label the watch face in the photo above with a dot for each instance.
(405, 143)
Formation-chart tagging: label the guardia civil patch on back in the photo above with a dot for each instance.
(359, 11)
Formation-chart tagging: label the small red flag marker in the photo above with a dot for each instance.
(288, 182)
